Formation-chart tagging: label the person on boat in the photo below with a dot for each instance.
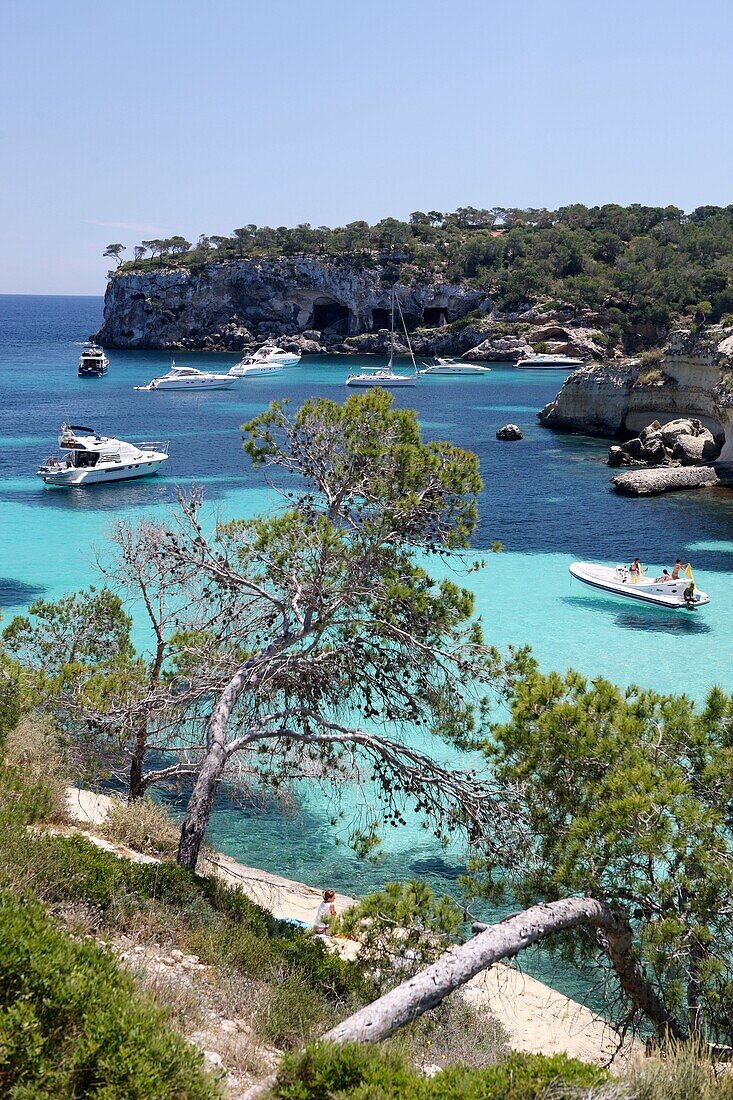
(678, 568)
(664, 577)
(689, 594)
(636, 569)
(325, 914)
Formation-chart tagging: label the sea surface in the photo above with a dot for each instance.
(547, 499)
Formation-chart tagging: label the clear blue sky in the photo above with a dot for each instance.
(146, 118)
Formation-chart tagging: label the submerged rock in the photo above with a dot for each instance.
(509, 432)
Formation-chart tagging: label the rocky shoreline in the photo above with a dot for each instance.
(322, 307)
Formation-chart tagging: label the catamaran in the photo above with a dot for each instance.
(387, 376)
(660, 592)
(92, 458)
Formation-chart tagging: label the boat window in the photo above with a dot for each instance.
(84, 459)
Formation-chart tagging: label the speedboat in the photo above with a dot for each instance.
(188, 378)
(266, 360)
(453, 366)
(92, 458)
(549, 362)
(619, 581)
(93, 363)
(379, 376)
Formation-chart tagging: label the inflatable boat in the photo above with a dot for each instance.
(618, 581)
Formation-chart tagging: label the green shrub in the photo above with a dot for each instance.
(354, 1072)
(71, 1025)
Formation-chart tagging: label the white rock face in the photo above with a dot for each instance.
(230, 305)
(609, 399)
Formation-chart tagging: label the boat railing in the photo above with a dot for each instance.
(161, 445)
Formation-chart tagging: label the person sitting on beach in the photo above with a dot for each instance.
(636, 569)
(678, 568)
(325, 914)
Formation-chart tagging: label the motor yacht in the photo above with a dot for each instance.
(549, 362)
(619, 581)
(266, 360)
(91, 458)
(189, 378)
(453, 366)
(93, 363)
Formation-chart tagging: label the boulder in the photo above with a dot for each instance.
(509, 432)
(652, 431)
(673, 429)
(633, 447)
(616, 457)
(691, 450)
(500, 349)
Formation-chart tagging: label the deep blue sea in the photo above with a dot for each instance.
(547, 499)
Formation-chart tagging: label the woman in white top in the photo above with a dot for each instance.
(325, 914)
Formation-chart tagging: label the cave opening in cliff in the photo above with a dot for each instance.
(434, 316)
(380, 319)
(331, 317)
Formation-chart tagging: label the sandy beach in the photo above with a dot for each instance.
(536, 1018)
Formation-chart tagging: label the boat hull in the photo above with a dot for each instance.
(528, 364)
(177, 387)
(669, 594)
(256, 369)
(385, 383)
(79, 478)
(459, 368)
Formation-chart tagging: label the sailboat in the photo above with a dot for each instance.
(387, 376)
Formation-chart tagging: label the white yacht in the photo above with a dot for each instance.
(453, 366)
(188, 378)
(386, 376)
(549, 362)
(266, 360)
(91, 458)
(660, 592)
(93, 363)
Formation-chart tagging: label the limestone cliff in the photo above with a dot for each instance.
(318, 305)
(691, 380)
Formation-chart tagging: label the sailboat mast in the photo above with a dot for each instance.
(391, 333)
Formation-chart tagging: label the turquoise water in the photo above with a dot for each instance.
(547, 499)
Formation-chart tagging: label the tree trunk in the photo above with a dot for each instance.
(136, 788)
(409, 1000)
(202, 795)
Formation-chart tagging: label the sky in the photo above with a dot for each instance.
(151, 118)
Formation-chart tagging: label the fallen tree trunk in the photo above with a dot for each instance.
(425, 990)
(409, 1000)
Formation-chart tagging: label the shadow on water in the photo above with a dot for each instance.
(437, 866)
(17, 594)
(657, 620)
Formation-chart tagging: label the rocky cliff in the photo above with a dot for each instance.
(318, 306)
(692, 379)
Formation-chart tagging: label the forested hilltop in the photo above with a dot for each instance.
(650, 264)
